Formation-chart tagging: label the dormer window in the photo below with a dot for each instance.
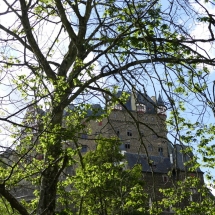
(160, 151)
(117, 107)
(141, 108)
(161, 110)
(129, 133)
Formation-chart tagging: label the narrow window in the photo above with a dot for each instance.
(129, 133)
(84, 136)
(127, 145)
(84, 148)
(192, 191)
(100, 123)
(160, 150)
(142, 134)
(165, 178)
(117, 133)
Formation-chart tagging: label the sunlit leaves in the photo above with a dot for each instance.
(184, 193)
(104, 180)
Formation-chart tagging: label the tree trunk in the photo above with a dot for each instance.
(49, 179)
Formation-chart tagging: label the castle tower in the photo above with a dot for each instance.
(139, 124)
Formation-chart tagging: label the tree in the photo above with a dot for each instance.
(105, 185)
(185, 192)
(58, 52)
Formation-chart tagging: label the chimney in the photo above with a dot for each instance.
(153, 99)
(133, 98)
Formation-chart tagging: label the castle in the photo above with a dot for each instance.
(140, 125)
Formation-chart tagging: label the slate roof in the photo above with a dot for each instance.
(128, 102)
(147, 101)
(96, 110)
(160, 101)
(70, 107)
(158, 163)
(179, 157)
(161, 164)
(41, 111)
(7, 153)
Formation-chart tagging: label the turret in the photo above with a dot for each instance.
(161, 108)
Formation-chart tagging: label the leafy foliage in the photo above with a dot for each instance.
(105, 185)
(55, 53)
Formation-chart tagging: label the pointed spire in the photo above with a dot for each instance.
(160, 101)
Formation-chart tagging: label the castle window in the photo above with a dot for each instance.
(127, 145)
(141, 108)
(192, 192)
(129, 133)
(117, 133)
(100, 123)
(84, 136)
(160, 150)
(84, 148)
(165, 178)
(142, 134)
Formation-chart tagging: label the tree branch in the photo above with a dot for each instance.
(15, 204)
(27, 27)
